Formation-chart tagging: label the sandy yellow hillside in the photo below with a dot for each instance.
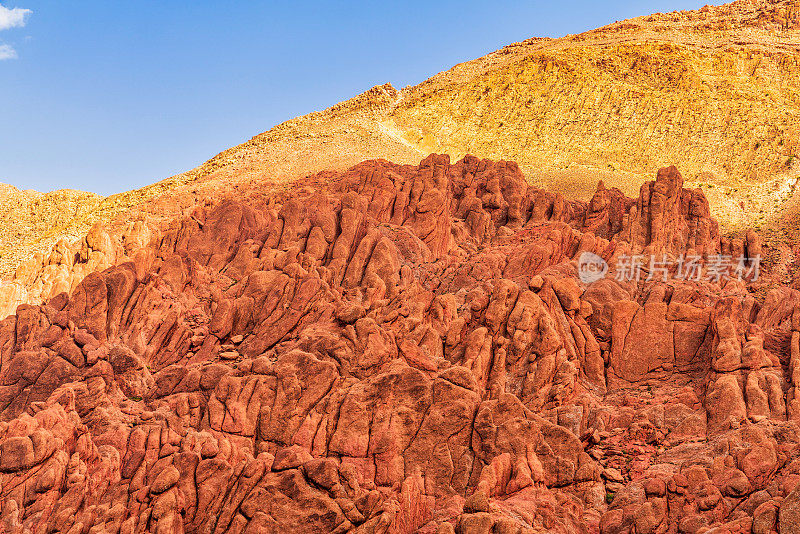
(33, 221)
(715, 92)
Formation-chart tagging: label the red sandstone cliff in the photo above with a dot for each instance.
(407, 349)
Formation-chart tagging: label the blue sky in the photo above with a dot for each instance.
(107, 96)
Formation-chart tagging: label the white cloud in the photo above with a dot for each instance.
(13, 18)
(7, 52)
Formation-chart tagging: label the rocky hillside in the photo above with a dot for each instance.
(713, 91)
(410, 348)
(389, 346)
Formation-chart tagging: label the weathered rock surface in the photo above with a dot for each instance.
(404, 349)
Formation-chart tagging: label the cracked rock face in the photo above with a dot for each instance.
(406, 349)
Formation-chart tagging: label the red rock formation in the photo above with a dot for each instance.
(404, 349)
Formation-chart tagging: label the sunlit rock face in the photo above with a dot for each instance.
(408, 348)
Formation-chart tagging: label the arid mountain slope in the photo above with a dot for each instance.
(33, 221)
(678, 87)
(715, 92)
